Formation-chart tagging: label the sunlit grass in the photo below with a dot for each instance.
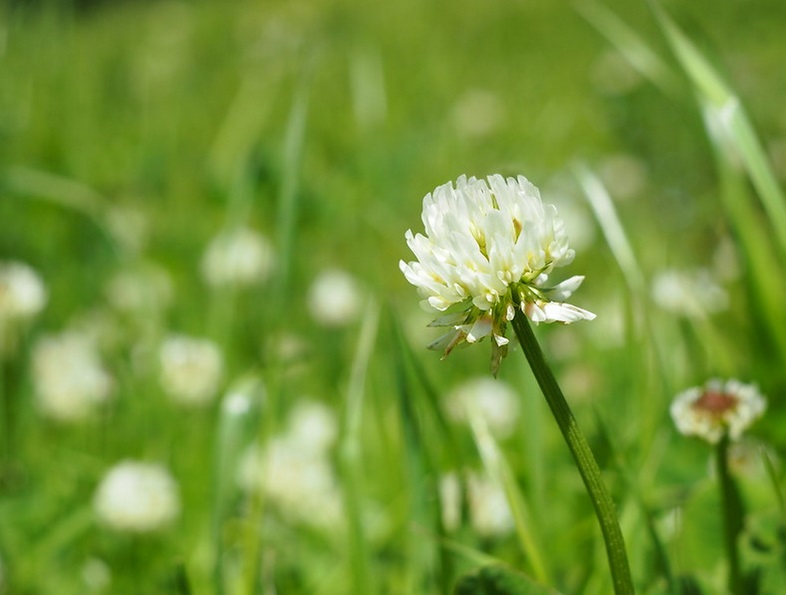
(134, 133)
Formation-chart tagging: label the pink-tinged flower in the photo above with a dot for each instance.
(717, 408)
(489, 247)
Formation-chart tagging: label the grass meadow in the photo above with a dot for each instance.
(296, 434)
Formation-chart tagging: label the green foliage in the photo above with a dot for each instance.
(132, 133)
(499, 580)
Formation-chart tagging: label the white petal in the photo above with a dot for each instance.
(480, 329)
(566, 313)
(500, 340)
(562, 291)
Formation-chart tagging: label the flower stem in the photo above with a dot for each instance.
(730, 501)
(582, 454)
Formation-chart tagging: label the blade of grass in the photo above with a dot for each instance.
(287, 203)
(630, 45)
(763, 268)
(61, 191)
(735, 125)
(241, 127)
(419, 412)
(637, 488)
(501, 474)
(606, 216)
(236, 425)
(424, 510)
(289, 190)
(643, 329)
(410, 360)
(350, 454)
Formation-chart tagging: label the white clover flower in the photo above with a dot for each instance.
(22, 296)
(137, 497)
(489, 512)
(489, 248)
(495, 400)
(22, 292)
(69, 378)
(312, 426)
(717, 408)
(238, 257)
(334, 298)
(694, 294)
(299, 482)
(191, 369)
(294, 470)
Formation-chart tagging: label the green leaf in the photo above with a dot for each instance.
(499, 580)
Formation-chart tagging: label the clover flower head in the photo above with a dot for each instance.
(70, 380)
(490, 246)
(22, 292)
(489, 512)
(335, 298)
(137, 497)
(693, 294)
(239, 257)
(717, 408)
(191, 369)
(294, 470)
(494, 400)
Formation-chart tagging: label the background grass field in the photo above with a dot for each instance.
(131, 133)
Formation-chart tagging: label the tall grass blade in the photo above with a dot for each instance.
(606, 216)
(630, 45)
(59, 190)
(350, 449)
(290, 178)
(501, 474)
(236, 426)
(738, 133)
(424, 510)
(424, 426)
(766, 281)
(229, 155)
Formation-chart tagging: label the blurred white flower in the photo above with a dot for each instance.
(22, 292)
(334, 298)
(191, 369)
(69, 378)
(495, 400)
(312, 426)
(490, 246)
(238, 257)
(137, 497)
(694, 294)
(717, 408)
(244, 394)
(294, 470)
(489, 512)
(22, 296)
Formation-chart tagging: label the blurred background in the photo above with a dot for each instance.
(214, 376)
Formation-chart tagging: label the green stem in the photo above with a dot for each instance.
(732, 526)
(582, 454)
